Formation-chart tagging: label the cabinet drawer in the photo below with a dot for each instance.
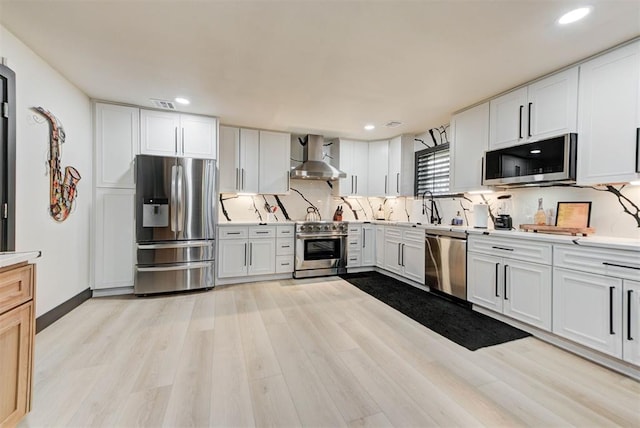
(233, 232)
(614, 263)
(284, 246)
(285, 231)
(353, 243)
(354, 259)
(262, 232)
(354, 229)
(413, 235)
(516, 248)
(393, 232)
(16, 287)
(284, 264)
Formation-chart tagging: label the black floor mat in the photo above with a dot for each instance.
(454, 321)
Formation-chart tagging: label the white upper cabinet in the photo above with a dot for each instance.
(378, 167)
(469, 141)
(352, 158)
(117, 132)
(609, 118)
(544, 109)
(400, 179)
(275, 154)
(228, 159)
(172, 134)
(249, 161)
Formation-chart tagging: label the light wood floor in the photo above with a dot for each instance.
(315, 352)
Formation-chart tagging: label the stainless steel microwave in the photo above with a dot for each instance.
(541, 162)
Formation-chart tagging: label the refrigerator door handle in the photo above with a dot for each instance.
(185, 266)
(173, 208)
(180, 199)
(174, 245)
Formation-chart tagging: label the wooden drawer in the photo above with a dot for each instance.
(262, 232)
(514, 248)
(285, 231)
(16, 287)
(233, 232)
(284, 246)
(284, 264)
(603, 261)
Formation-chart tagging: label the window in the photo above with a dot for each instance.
(432, 170)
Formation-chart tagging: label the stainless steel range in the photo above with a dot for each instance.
(320, 248)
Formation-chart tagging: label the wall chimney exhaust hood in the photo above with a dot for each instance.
(314, 167)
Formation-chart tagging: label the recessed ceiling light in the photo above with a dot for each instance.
(369, 127)
(181, 100)
(635, 183)
(535, 151)
(574, 15)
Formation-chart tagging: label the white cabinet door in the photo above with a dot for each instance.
(469, 141)
(343, 160)
(198, 136)
(117, 134)
(631, 322)
(368, 245)
(262, 257)
(552, 107)
(527, 292)
(378, 174)
(159, 133)
(232, 257)
(229, 159)
(380, 249)
(395, 167)
(484, 281)
(249, 160)
(609, 117)
(507, 119)
(275, 154)
(412, 259)
(114, 240)
(360, 167)
(392, 248)
(586, 309)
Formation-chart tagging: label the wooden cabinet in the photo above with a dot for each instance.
(173, 134)
(17, 331)
(378, 168)
(275, 154)
(254, 161)
(400, 178)
(351, 157)
(544, 109)
(114, 238)
(609, 118)
(117, 133)
(469, 141)
(404, 251)
(595, 299)
(510, 283)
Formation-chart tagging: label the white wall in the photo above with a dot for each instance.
(63, 270)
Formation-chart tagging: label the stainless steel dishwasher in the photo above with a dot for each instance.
(446, 261)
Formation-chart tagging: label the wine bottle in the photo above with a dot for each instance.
(540, 218)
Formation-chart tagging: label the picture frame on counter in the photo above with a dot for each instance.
(573, 214)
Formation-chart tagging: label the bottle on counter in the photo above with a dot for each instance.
(540, 218)
(380, 213)
(457, 220)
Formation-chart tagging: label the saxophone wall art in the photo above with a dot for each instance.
(62, 192)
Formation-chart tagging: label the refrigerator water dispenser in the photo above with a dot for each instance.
(155, 212)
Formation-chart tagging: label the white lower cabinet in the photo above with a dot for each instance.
(380, 243)
(354, 245)
(232, 257)
(114, 241)
(631, 321)
(513, 287)
(262, 256)
(368, 245)
(404, 252)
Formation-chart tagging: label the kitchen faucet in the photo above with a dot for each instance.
(434, 214)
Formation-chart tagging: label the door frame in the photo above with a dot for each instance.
(8, 162)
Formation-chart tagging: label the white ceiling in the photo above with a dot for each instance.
(325, 67)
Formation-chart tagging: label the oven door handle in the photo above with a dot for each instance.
(320, 236)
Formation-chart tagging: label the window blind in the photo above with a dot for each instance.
(432, 170)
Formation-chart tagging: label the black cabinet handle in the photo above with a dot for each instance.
(497, 269)
(399, 254)
(502, 248)
(402, 256)
(620, 266)
(611, 310)
(529, 120)
(629, 292)
(245, 254)
(505, 282)
(233, 233)
(637, 149)
(520, 123)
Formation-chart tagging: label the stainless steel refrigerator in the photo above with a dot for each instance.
(175, 218)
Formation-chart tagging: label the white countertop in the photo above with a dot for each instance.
(257, 223)
(12, 257)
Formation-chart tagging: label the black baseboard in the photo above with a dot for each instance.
(45, 320)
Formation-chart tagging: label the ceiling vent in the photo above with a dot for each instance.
(163, 104)
(393, 124)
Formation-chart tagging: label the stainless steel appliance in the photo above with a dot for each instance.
(320, 248)
(175, 206)
(551, 160)
(446, 262)
(313, 166)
